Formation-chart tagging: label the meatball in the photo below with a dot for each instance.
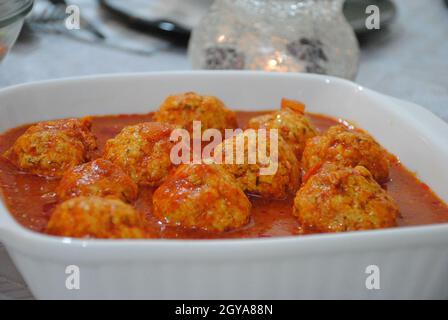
(350, 148)
(291, 123)
(337, 199)
(95, 217)
(182, 109)
(143, 151)
(49, 148)
(202, 196)
(99, 178)
(272, 175)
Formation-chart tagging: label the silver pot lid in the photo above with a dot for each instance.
(12, 10)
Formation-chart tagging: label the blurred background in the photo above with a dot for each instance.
(406, 58)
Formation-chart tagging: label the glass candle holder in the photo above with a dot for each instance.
(276, 35)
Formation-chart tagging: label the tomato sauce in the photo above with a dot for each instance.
(31, 199)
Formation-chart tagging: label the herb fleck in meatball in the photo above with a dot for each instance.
(202, 196)
(337, 199)
(49, 148)
(291, 122)
(143, 151)
(347, 148)
(182, 109)
(95, 217)
(99, 178)
(276, 184)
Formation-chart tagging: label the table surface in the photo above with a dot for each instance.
(407, 61)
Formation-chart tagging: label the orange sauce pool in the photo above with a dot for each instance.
(31, 199)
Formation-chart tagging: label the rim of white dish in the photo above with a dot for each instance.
(11, 229)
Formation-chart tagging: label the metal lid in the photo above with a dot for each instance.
(12, 10)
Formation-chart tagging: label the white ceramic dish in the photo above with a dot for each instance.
(413, 262)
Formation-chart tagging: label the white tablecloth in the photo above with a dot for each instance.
(409, 61)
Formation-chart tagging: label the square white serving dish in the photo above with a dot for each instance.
(413, 262)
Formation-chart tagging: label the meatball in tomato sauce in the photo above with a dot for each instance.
(95, 217)
(337, 199)
(143, 152)
(182, 109)
(50, 148)
(201, 196)
(292, 124)
(100, 178)
(345, 147)
(271, 175)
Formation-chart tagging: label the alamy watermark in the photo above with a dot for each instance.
(236, 147)
(373, 20)
(73, 279)
(373, 278)
(73, 20)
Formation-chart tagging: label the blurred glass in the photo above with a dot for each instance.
(276, 35)
(12, 16)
